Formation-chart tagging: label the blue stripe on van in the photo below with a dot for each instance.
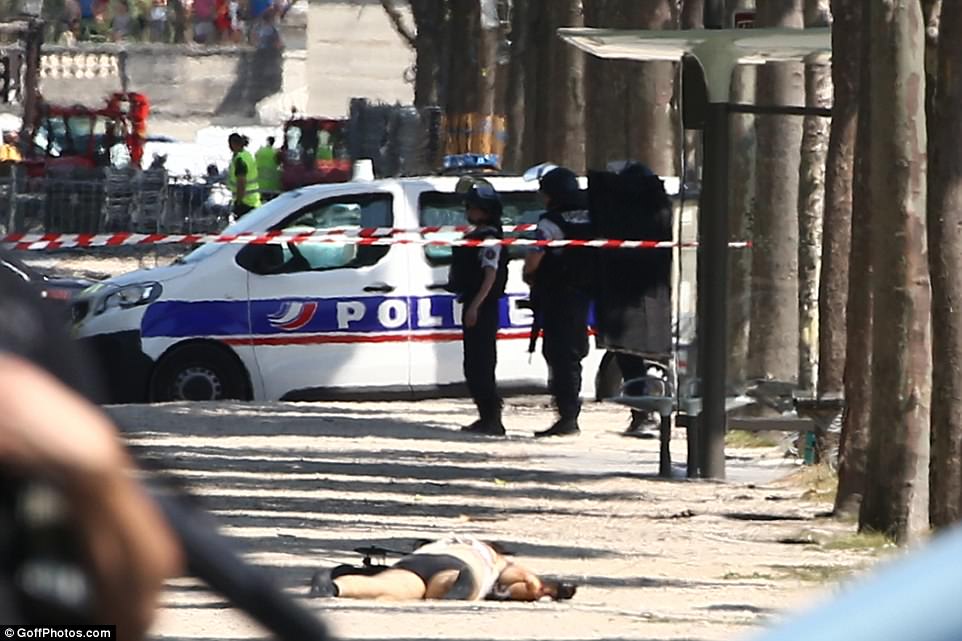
(182, 319)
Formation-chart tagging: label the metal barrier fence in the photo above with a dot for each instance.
(150, 201)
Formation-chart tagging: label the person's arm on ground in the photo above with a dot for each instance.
(48, 430)
(521, 584)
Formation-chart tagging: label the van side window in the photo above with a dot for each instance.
(442, 208)
(344, 213)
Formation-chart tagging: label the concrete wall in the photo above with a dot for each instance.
(334, 50)
(353, 51)
(180, 81)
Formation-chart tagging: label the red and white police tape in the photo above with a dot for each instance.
(363, 237)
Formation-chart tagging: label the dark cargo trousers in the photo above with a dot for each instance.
(481, 360)
(565, 324)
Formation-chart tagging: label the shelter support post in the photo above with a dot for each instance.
(713, 257)
(712, 293)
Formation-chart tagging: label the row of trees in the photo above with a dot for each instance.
(853, 286)
(503, 58)
(892, 252)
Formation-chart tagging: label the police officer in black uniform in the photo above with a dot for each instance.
(478, 276)
(560, 281)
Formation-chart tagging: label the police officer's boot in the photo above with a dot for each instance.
(643, 425)
(562, 427)
(489, 423)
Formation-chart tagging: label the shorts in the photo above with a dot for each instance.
(427, 566)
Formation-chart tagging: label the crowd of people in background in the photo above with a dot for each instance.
(254, 22)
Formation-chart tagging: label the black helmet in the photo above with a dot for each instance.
(484, 197)
(559, 184)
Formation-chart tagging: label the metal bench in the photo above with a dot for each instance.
(816, 416)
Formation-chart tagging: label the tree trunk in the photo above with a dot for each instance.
(486, 119)
(811, 203)
(605, 93)
(488, 62)
(630, 110)
(773, 342)
(537, 86)
(692, 14)
(652, 128)
(566, 100)
(430, 20)
(461, 82)
(839, 172)
(513, 157)
(945, 258)
(464, 77)
(853, 446)
(896, 495)
(741, 207)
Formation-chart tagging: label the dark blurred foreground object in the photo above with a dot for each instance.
(915, 598)
(80, 541)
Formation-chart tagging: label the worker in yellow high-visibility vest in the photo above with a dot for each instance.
(268, 169)
(242, 176)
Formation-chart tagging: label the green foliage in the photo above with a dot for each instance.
(743, 439)
(816, 573)
(868, 541)
(818, 482)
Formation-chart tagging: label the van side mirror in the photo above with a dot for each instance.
(261, 259)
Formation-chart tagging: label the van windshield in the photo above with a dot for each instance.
(258, 220)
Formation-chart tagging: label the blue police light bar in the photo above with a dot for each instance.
(472, 161)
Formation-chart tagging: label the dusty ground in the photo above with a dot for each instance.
(301, 485)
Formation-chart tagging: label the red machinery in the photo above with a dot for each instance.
(315, 151)
(82, 137)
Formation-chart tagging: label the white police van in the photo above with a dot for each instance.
(311, 321)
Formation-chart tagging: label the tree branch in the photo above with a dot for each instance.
(397, 20)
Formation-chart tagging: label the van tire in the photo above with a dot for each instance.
(608, 380)
(200, 372)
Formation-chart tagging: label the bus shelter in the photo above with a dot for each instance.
(708, 58)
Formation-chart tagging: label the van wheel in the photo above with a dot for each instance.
(198, 373)
(608, 380)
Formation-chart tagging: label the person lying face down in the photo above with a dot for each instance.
(454, 568)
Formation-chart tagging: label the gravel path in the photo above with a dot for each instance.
(301, 485)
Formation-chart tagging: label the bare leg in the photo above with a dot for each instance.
(440, 584)
(390, 585)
